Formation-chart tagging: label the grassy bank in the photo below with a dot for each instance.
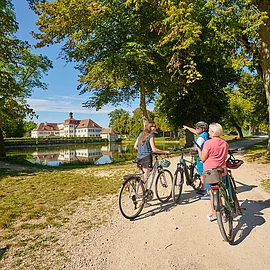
(34, 202)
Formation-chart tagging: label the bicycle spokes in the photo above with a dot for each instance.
(131, 198)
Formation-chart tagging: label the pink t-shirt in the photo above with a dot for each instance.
(217, 153)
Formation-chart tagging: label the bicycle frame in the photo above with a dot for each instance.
(187, 169)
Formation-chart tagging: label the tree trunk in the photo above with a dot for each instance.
(2, 145)
(265, 56)
(189, 139)
(143, 107)
(239, 131)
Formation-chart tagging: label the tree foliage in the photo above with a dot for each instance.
(20, 72)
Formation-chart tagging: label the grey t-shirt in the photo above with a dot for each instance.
(145, 149)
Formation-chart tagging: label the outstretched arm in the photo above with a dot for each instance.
(193, 130)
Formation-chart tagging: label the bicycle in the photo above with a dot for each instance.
(225, 200)
(190, 172)
(133, 195)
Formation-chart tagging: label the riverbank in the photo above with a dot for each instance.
(50, 141)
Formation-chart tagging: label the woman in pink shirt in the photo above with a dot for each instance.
(214, 155)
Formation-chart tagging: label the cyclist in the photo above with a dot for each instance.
(200, 129)
(213, 155)
(145, 144)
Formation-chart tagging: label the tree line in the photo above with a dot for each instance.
(196, 60)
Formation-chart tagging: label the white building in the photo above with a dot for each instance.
(69, 128)
(110, 134)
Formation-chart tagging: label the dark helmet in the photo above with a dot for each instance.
(202, 124)
(234, 163)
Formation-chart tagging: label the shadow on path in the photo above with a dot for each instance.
(241, 187)
(251, 218)
(155, 206)
(2, 252)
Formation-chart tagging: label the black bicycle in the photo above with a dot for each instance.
(134, 194)
(225, 200)
(185, 169)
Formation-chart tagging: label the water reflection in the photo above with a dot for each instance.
(96, 154)
(100, 155)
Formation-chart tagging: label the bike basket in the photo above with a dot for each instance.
(212, 176)
(165, 163)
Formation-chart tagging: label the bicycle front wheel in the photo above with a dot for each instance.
(164, 185)
(131, 198)
(224, 215)
(177, 186)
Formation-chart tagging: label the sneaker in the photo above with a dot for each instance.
(205, 197)
(201, 192)
(211, 218)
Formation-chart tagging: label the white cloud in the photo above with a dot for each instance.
(68, 103)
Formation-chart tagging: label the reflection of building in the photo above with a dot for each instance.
(70, 128)
(109, 149)
(110, 134)
(68, 155)
(80, 154)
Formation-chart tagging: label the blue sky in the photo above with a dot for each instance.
(62, 96)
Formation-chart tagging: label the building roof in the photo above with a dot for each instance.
(108, 131)
(46, 127)
(88, 123)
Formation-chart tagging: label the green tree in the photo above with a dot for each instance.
(16, 74)
(122, 124)
(243, 28)
(238, 111)
(114, 45)
(28, 126)
(115, 115)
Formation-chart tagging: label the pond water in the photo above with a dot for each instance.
(94, 153)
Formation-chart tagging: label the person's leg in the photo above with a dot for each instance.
(199, 165)
(147, 167)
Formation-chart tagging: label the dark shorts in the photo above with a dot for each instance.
(146, 162)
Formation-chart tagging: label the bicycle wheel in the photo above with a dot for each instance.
(131, 198)
(164, 185)
(224, 215)
(177, 186)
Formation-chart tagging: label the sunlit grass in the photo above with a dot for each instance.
(266, 184)
(32, 195)
(257, 153)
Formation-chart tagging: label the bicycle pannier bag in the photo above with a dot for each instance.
(211, 176)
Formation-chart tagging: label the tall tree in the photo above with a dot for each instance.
(243, 26)
(113, 43)
(17, 74)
